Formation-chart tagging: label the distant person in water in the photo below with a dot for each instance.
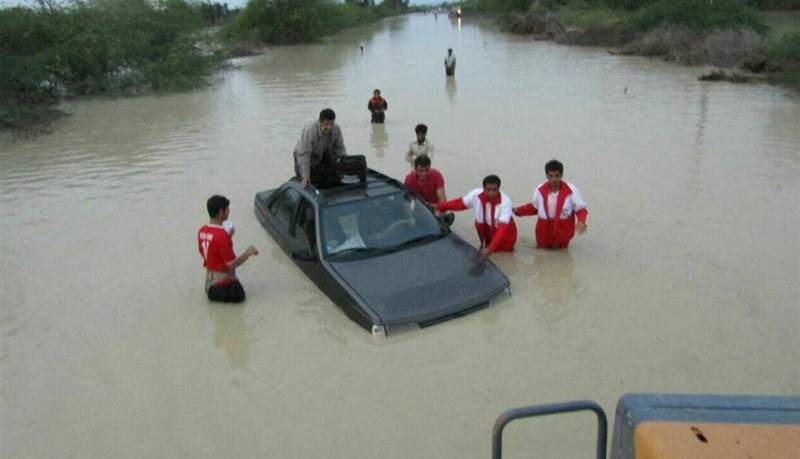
(318, 150)
(216, 247)
(450, 63)
(420, 145)
(560, 208)
(494, 223)
(377, 106)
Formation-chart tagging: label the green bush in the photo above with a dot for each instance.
(101, 46)
(280, 22)
(699, 15)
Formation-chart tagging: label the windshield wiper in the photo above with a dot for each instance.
(361, 250)
(416, 240)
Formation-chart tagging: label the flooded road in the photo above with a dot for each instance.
(687, 280)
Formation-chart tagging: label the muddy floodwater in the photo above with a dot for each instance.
(687, 281)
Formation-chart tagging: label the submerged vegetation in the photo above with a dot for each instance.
(124, 47)
(725, 33)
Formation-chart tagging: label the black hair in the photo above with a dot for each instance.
(422, 160)
(327, 115)
(376, 90)
(491, 179)
(555, 166)
(215, 204)
(421, 128)
(449, 50)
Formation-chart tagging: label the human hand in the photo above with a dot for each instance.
(515, 210)
(580, 227)
(304, 183)
(251, 251)
(485, 252)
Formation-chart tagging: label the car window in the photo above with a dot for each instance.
(305, 230)
(378, 224)
(285, 206)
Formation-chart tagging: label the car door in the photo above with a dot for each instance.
(303, 239)
(283, 210)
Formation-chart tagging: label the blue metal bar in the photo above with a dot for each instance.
(556, 408)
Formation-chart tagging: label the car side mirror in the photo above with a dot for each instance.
(303, 255)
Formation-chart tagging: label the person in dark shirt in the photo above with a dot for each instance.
(377, 106)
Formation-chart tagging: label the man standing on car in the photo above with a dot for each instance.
(493, 221)
(216, 248)
(319, 148)
(558, 204)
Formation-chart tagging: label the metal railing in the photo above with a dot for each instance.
(555, 408)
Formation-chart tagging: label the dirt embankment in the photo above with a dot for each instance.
(722, 48)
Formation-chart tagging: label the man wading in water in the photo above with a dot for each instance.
(216, 247)
(558, 205)
(377, 106)
(320, 146)
(450, 63)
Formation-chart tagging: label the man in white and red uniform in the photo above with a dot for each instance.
(493, 221)
(216, 247)
(558, 204)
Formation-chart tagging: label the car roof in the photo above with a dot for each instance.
(377, 184)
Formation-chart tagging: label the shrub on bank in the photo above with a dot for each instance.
(281, 22)
(698, 15)
(100, 46)
(783, 57)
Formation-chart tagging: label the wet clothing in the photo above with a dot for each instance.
(229, 293)
(493, 218)
(318, 151)
(450, 64)
(416, 149)
(216, 248)
(427, 189)
(377, 105)
(555, 226)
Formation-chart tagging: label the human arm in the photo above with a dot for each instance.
(498, 237)
(503, 222)
(453, 205)
(302, 155)
(338, 142)
(525, 210)
(238, 261)
(580, 210)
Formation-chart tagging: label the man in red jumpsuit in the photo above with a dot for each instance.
(558, 204)
(493, 221)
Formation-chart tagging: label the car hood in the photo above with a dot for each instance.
(423, 283)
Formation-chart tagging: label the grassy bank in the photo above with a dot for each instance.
(281, 22)
(98, 47)
(725, 33)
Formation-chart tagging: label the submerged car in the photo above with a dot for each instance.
(379, 252)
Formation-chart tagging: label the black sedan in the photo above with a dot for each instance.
(379, 252)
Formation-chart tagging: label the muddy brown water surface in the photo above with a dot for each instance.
(687, 280)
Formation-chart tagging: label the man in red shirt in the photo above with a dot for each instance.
(426, 181)
(216, 247)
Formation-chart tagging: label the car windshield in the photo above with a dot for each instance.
(378, 225)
